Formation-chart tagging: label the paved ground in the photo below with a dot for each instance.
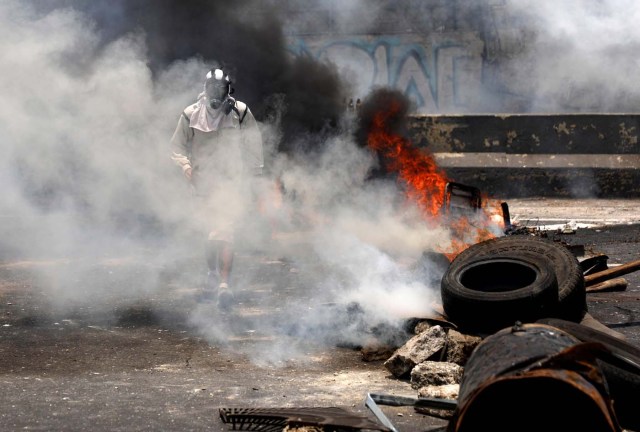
(593, 212)
(118, 344)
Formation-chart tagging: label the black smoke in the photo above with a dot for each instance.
(305, 95)
(383, 100)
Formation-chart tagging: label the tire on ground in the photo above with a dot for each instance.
(489, 293)
(572, 301)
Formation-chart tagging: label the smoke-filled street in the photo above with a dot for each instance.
(132, 363)
(252, 204)
(168, 360)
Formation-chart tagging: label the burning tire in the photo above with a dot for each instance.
(490, 293)
(571, 302)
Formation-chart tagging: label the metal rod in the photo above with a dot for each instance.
(371, 404)
(392, 400)
(506, 216)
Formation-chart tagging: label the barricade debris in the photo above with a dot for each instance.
(560, 370)
(534, 377)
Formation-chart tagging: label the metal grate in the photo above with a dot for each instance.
(276, 419)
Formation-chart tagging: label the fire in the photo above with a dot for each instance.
(417, 169)
(466, 231)
(427, 185)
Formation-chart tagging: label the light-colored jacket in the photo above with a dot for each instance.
(227, 156)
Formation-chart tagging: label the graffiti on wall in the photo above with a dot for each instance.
(439, 76)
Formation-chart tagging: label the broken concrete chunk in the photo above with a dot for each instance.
(446, 391)
(434, 373)
(422, 326)
(375, 351)
(417, 350)
(460, 347)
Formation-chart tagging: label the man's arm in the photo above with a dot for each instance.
(180, 146)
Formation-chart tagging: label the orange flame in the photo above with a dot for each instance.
(427, 185)
(466, 232)
(426, 181)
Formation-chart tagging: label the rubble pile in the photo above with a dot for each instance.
(558, 352)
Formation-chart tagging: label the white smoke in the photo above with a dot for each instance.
(534, 56)
(570, 56)
(361, 261)
(86, 172)
(84, 143)
(84, 132)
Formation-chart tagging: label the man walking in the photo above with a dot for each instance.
(218, 146)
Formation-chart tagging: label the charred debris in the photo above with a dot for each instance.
(512, 346)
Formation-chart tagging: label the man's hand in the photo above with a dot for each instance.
(187, 173)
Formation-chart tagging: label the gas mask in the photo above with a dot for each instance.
(217, 87)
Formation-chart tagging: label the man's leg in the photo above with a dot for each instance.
(220, 262)
(225, 261)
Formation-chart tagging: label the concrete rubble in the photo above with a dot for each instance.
(460, 346)
(434, 359)
(417, 350)
(435, 373)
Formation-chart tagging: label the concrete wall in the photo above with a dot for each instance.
(573, 155)
(439, 74)
(476, 56)
(447, 56)
(455, 59)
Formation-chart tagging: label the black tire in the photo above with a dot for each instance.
(487, 293)
(572, 299)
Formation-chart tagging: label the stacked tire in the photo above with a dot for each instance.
(495, 283)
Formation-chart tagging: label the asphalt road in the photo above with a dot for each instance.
(118, 344)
